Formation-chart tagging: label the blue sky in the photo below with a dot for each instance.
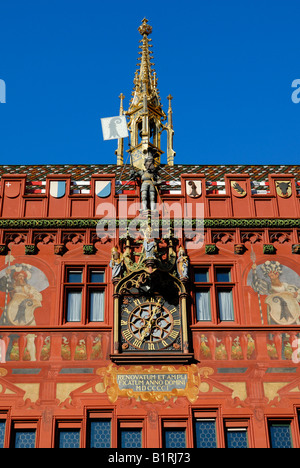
(228, 64)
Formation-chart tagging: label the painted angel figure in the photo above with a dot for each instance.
(283, 297)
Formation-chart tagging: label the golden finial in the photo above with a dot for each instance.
(145, 28)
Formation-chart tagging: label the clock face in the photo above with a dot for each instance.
(150, 324)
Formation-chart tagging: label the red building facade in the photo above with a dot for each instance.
(167, 326)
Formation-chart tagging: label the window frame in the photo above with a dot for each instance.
(23, 425)
(85, 287)
(174, 423)
(61, 424)
(238, 425)
(208, 414)
(283, 420)
(98, 415)
(131, 424)
(204, 419)
(214, 287)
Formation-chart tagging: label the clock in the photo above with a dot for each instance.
(150, 324)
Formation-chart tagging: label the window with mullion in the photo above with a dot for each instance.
(84, 293)
(214, 294)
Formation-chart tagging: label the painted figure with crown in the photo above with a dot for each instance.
(281, 285)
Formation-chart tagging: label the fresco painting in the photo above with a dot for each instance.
(277, 286)
(21, 285)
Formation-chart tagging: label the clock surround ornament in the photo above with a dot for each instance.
(150, 303)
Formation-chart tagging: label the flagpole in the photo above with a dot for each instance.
(8, 259)
(253, 258)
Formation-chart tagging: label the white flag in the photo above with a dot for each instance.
(2, 92)
(114, 127)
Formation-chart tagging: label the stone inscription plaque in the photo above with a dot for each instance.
(152, 382)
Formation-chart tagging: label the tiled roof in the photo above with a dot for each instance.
(212, 173)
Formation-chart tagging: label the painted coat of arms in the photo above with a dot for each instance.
(239, 189)
(193, 188)
(281, 287)
(103, 188)
(21, 284)
(284, 188)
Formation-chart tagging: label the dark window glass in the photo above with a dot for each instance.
(74, 276)
(24, 438)
(201, 276)
(236, 438)
(100, 433)
(97, 277)
(131, 438)
(280, 435)
(223, 275)
(174, 438)
(206, 434)
(69, 438)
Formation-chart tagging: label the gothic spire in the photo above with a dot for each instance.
(145, 80)
(145, 113)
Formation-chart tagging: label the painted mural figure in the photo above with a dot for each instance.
(281, 285)
(22, 285)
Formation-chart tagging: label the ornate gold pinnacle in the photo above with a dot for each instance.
(145, 114)
(145, 28)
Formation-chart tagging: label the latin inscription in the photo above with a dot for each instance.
(152, 382)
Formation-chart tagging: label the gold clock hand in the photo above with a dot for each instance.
(150, 321)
